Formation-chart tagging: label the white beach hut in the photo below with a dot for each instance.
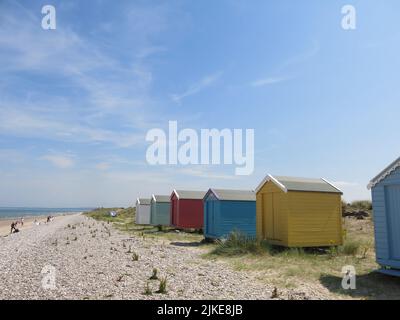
(142, 211)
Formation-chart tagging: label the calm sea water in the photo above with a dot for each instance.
(29, 212)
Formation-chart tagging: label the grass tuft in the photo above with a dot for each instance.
(147, 290)
(154, 275)
(135, 257)
(239, 244)
(350, 248)
(162, 288)
(362, 204)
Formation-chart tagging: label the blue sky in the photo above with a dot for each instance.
(76, 102)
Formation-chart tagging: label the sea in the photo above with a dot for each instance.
(6, 213)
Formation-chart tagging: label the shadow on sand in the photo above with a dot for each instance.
(200, 243)
(188, 244)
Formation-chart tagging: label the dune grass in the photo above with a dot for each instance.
(361, 204)
(315, 270)
(125, 221)
(293, 267)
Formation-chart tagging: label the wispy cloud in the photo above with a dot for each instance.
(59, 160)
(268, 81)
(197, 87)
(301, 57)
(24, 123)
(283, 67)
(103, 166)
(106, 86)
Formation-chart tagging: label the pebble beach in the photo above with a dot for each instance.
(91, 260)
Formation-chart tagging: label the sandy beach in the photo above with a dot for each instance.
(5, 224)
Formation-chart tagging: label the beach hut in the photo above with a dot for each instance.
(187, 209)
(385, 189)
(299, 212)
(160, 210)
(142, 211)
(226, 211)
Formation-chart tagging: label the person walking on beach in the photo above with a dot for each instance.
(22, 221)
(14, 227)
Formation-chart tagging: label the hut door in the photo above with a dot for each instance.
(271, 217)
(211, 217)
(268, 218)
(173, 212)
(393, 218)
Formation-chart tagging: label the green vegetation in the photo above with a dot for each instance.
(147, 290)
(154, 275)
(238, 244)
(362, 205)
(125, 221)
(316, 270)
(292, 267)
(103, 214)
(135, 257)
(350, 248)
(162, 288)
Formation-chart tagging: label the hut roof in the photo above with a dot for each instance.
(384, 173)
(300, 184)
(187, 194)
(143, 201)
(233, 195)
(159, 198)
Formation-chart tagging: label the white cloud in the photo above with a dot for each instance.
(28, 124)
(268, 81)
(59, 161)
(302, 57)
(290, 62)
(106, 87)
(197, 87)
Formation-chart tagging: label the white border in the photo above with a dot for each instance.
(269, 177)
(387, 171)
(176, 193)
(332, 185)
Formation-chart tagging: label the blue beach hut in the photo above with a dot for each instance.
(386, 205)
(229, 210)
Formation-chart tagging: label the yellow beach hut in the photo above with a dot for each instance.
(298, 212)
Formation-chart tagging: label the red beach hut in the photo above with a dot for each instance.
(187, 209)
